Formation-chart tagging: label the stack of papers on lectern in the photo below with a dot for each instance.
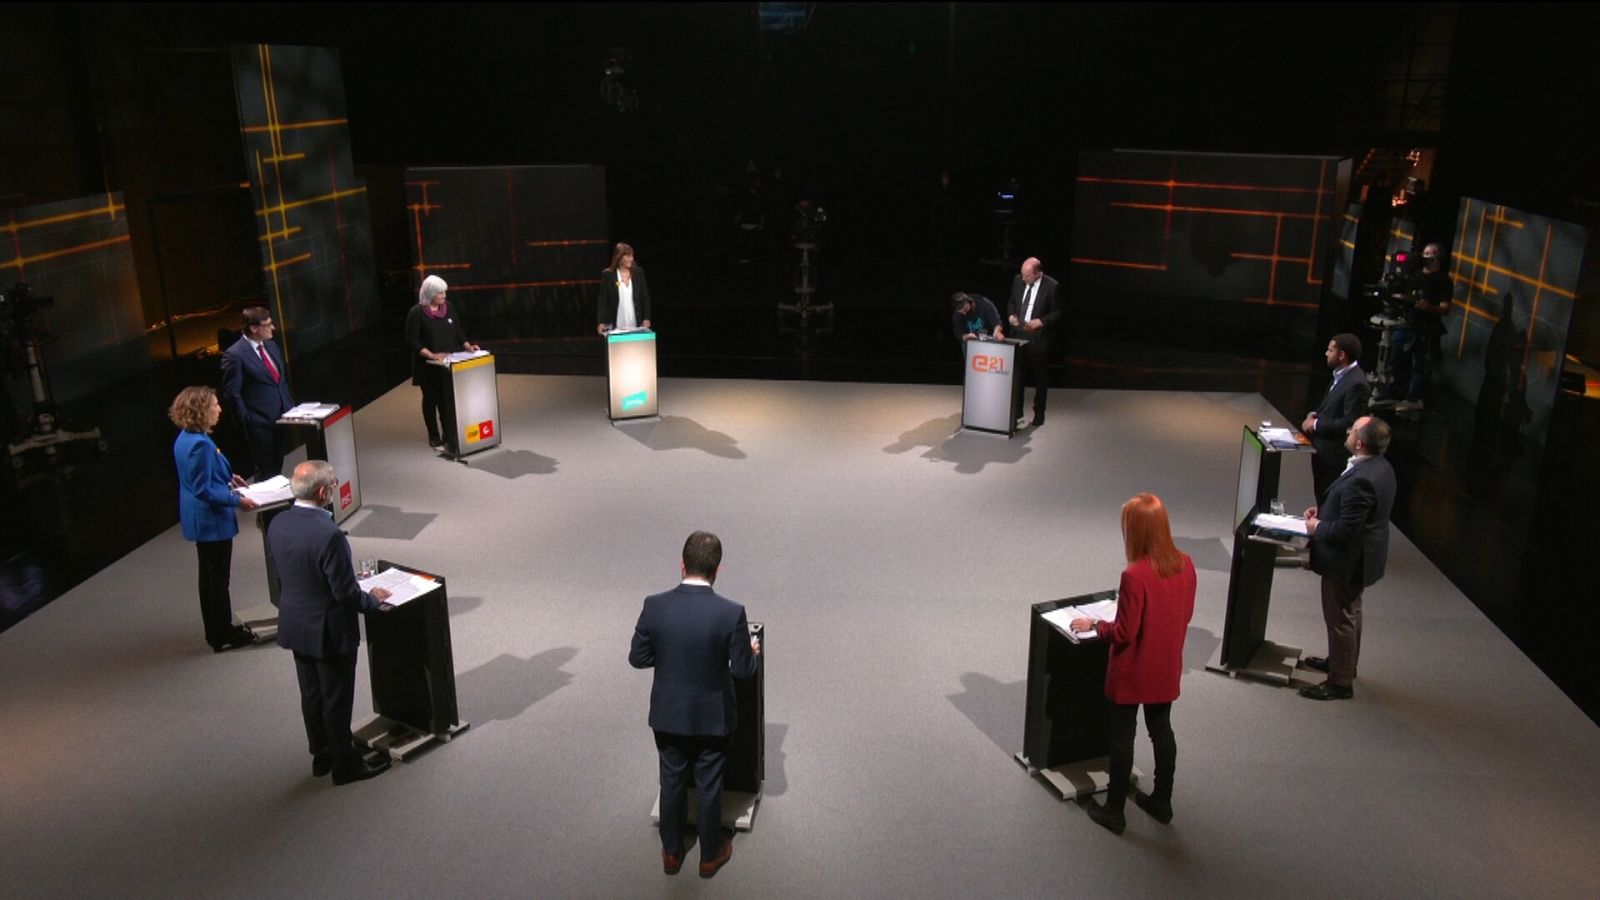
(1293, 526)
(312, 411)
(403, 586)
(1283, 438)
(465, 355)
(1100, 611)
(273, 490)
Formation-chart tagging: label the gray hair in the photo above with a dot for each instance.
(432, 286)
(309, 477)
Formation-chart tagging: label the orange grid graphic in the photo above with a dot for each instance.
(274, 129)
(111, 211)
(1273, 259)
(423, 267)
(1481, 265)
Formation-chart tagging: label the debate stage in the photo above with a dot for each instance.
(894, 563)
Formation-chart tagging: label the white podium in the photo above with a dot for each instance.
(992, 393)
(329, 433)
(631, 374)
(472, 401)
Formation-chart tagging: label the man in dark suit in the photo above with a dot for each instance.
(1035, 312)
(317, 619)
(1349, 546)
(1345, 402)
(255, 382)
(697, 642)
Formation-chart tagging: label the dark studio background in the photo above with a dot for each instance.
(860, 109)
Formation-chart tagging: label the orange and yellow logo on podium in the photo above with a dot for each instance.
(481, 431)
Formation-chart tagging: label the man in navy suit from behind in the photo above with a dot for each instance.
(697, 642)
(318, 618)
(255, 382)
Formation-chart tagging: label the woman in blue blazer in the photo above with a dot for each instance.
(205, 508)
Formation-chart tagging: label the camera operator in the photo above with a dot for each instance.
(1432, 292)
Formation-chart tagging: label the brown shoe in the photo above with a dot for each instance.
(670, 863)
(708, 869)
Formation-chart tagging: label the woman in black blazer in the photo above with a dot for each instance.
(624, 296)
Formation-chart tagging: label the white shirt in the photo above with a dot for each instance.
(1028, 294)
(693, 580)
(625, 314)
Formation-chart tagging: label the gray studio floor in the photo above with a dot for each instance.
(893, 563)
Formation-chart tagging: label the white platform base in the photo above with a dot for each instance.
(1272, 663)
(632, 420)
(398, 740)
(1075, 781)
(738, 809)
(261, 619)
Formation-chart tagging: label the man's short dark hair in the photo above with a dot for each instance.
(702, 554)
(1349, 344)
(255, 315)
(1374, 435)
(958, 300)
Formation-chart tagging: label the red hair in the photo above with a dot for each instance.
(1146, 534)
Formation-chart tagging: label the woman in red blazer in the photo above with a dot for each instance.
(1154, 604)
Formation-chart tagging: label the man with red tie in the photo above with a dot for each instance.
(255, 382)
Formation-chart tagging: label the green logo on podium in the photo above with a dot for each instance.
(634, 401)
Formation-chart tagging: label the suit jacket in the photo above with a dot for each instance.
(248, 387)
(606, 308)
(1048, 307)
(1342, 406)
(1153, 613)
(1351, 544)
(697, 642)
(319, 601)
(205, 497)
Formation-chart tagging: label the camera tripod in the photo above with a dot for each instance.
(48, 431)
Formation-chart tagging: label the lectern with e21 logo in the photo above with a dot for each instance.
(992, 394)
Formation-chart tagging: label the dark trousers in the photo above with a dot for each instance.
(708, 754)
(327, 693)
(437, 412)
(1341, 611)
(1124, 727)
(216, 607)
(266, 453)
(1036, 360)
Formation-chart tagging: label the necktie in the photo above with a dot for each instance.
(267, 361)
(1027, 301)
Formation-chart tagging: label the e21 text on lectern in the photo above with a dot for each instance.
(413, 672)
(631, 374)
(471, 401)
(1245, 649)
(991, 397)
(1066, 733)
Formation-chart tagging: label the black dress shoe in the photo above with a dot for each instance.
(1114, 822)
(712, 866)
(240, 637)
(361, 771)
(1159, 810)
(321, 765)
(1038, 419)
(1327, 691)
(1315, 663)
(671, 862)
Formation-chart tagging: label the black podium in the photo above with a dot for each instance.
(1066, 735)
(413, 673)
(1245, 649)
(747, 750)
